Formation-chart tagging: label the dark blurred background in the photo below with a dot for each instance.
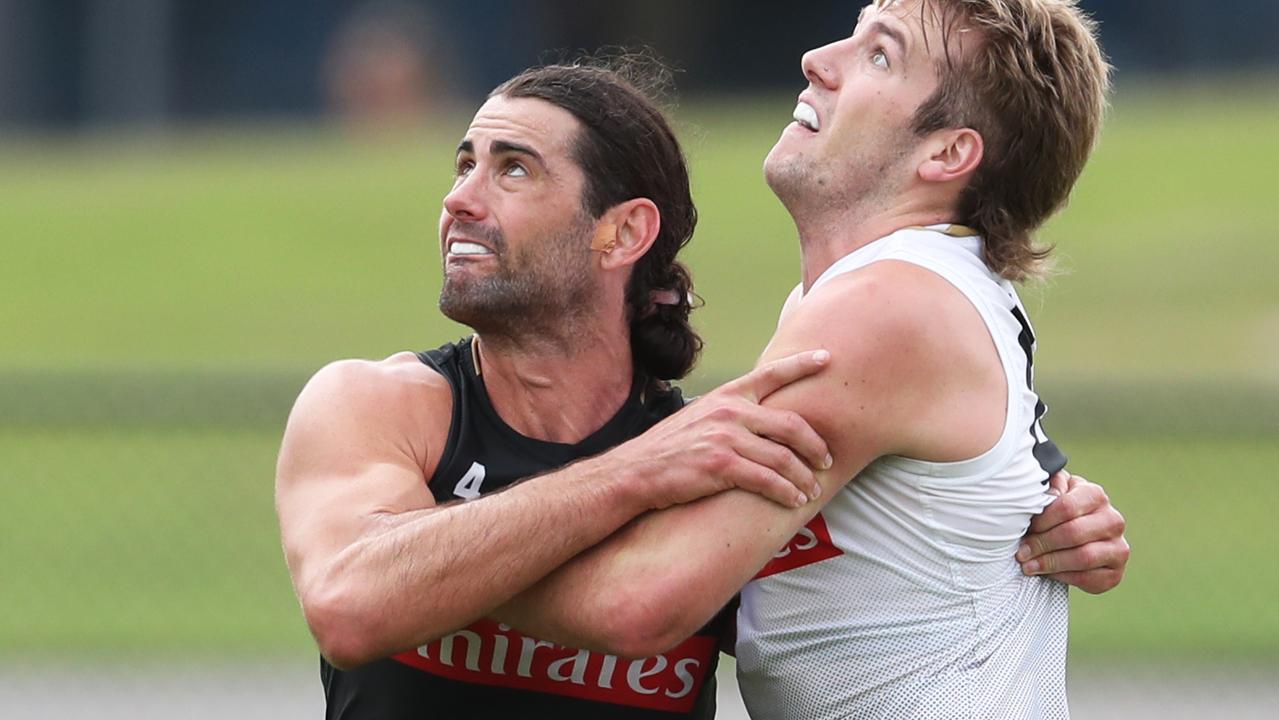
(84, 63)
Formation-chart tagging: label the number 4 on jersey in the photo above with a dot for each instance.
(469, 486)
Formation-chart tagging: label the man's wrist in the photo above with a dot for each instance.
(621, 484)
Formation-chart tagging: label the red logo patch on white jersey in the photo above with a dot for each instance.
(489, 653)
(812, 544)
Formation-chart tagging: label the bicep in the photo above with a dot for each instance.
(863, 403)
(344, 472)
(852, 404)
(688, 560)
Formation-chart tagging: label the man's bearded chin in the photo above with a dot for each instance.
(515, 305)
(495, 304)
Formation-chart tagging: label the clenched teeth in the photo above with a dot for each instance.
(468, 248)
(805, 115)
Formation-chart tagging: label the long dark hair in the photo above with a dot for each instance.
(627, 150)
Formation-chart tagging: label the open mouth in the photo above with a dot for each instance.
(806, 116)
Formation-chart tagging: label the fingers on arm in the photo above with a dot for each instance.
(789, 429)
(774, 471)
(732, 452)
(777, 374)
(782, 444)
(772, 452)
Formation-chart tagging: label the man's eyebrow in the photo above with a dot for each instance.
(505, 147)
(501, 147)
(882, 28)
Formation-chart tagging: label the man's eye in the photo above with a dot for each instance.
(879, 59)
(464, 167)
(516, 170)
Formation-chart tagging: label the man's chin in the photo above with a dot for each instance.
(775, 156)
(462, 303)
(488, 308)
(480, 319)
(784, 175)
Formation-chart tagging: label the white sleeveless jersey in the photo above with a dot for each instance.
(902, 598)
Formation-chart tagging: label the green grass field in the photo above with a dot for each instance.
(164, 298)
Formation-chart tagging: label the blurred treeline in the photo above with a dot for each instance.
(88, 63)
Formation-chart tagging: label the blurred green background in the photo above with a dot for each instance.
(163, 297)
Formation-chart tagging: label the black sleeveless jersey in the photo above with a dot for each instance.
(490, 670)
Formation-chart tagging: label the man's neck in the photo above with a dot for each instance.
(558, 390)
(826, 237)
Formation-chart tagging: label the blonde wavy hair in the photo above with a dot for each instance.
(1035, 86)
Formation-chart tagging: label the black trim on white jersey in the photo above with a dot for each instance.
(1049, 456)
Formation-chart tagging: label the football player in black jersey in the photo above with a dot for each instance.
(559, 241)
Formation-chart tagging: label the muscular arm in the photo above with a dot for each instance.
(679, 566)
(899, 382)
(379, 568)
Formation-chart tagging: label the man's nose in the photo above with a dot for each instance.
(466, 200)
(818, 68)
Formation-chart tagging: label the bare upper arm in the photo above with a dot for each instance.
(718, 543)
(360, 442)
(890, 363)
(914, 371)
(888, 366)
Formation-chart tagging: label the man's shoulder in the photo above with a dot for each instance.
(394, 376)
(914, 351)
(898, 335)
(397, 390)
(884, 304)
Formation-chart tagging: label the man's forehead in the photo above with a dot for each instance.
(529, 120)
(927, 20)
(904, 10)
(899, 7)
(875, 6)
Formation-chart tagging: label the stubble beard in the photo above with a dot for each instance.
(796, 183)
(540, 291)
(863, 181)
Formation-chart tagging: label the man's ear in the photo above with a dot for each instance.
(625, 232)
(953, 154)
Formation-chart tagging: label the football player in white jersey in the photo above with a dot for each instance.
(927, 148)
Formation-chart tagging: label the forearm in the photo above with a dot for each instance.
(429, 572)
(658, 580)
(665, 575)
